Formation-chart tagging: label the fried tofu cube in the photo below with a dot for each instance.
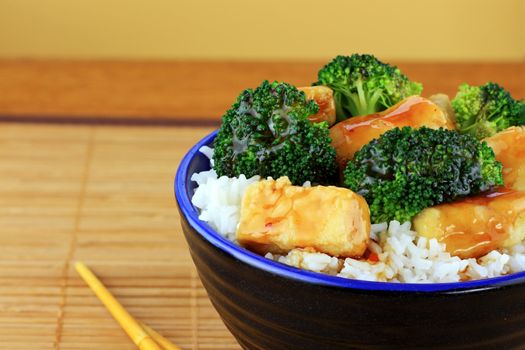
(509, 147)
(350, 135)
(324, 97)
(474, 226)
(277, 217)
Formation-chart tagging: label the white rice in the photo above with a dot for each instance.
(219, 198)
(402, 255)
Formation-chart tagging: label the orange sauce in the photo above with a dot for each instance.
(474, 226)
(373, 257)
(324, 97)
(509, 147)
(351, 135)
(277, 217)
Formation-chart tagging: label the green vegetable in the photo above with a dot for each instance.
(485, 110)
(364, 85)
(267, 132)
(406, 170)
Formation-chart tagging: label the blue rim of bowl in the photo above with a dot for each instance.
(209, 234)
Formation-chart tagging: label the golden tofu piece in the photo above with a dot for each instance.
(324, 97)
(509, 147)
(350, 135)
(443, 102)
(474, 226)
(277, 217)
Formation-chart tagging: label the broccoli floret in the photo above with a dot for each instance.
(406, 170)
(485, 110)
(267, 132)
(364, 85)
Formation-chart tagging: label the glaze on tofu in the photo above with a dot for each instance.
(472, 227)
(277, 217)
(324, 97)
(351, 135)
(443, 102)
(509, 147)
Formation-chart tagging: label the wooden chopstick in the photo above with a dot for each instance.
(143, 336)
(163, 342)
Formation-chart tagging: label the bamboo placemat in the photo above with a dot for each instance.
(104, 195)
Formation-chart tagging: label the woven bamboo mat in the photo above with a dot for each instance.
(104, 195)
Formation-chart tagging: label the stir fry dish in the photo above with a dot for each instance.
(362, 176)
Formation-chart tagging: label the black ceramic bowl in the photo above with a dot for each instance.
(271, 306)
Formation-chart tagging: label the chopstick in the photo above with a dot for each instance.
(143, 336)
(163, 342)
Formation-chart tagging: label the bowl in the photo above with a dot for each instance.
(271, 306)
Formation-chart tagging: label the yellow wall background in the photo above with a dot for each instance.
(270, 30)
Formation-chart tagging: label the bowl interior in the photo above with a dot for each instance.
(195, 161)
